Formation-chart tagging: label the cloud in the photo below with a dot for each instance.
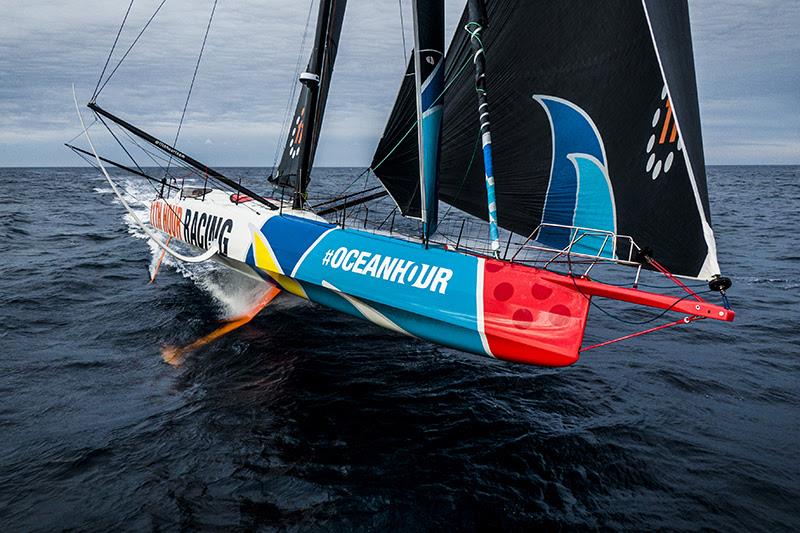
(746, 52)
(747, 57)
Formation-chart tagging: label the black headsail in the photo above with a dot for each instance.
(298, 154)
(595, 124)
(396, 161)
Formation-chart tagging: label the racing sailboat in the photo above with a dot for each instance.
(569, 131)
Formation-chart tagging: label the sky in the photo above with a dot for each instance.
(747, 54)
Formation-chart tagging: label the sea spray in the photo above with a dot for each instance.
(233, 294)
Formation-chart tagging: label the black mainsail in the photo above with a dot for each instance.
(298, 154)
(595, 124)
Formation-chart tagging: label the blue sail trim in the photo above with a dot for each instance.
(431, 130)
(430, 138)
(580, 194)
(432, 88)
(491, 198)
(594, 208)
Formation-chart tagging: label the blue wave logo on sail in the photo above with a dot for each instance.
(580, 195)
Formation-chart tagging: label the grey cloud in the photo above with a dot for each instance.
(746, 53)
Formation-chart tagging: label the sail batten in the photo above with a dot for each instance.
(586, 96)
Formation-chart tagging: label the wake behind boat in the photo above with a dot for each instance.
(591, 156)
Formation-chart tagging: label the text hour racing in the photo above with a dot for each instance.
(197, 228)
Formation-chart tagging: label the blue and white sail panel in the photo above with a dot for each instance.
(429, 78)
(579, 207)
(595, 219)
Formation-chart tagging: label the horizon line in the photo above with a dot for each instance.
(364, 168)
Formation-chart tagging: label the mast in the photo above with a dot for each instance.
(294, 168)
(477, 21)
(429, 78)
(311, 79)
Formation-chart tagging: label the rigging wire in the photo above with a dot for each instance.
(154, 156)
(620, 319)
(121, 145)
(464, 178)
(128, 51)
(194, 77)
(410, 130)
(403, 34)
(102, 84)
(195, 259)
(363, 173)
(166, 174)
(95, 121)
(111, 53)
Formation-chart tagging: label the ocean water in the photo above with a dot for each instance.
(305, 419)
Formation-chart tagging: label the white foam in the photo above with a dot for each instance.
(233, 294)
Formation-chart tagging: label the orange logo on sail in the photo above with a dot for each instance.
(664, 141)
(297, 134)
(665, 129)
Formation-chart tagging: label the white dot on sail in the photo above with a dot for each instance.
(657, 170)
(680, 145)
(650, 162)
(668, 162)
(664, 92)
(656, 116)
(651, 143)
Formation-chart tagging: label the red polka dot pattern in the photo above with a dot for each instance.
(504, 291)
(522, 318)
(531, 315)
(540, 292)
(494, 266)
